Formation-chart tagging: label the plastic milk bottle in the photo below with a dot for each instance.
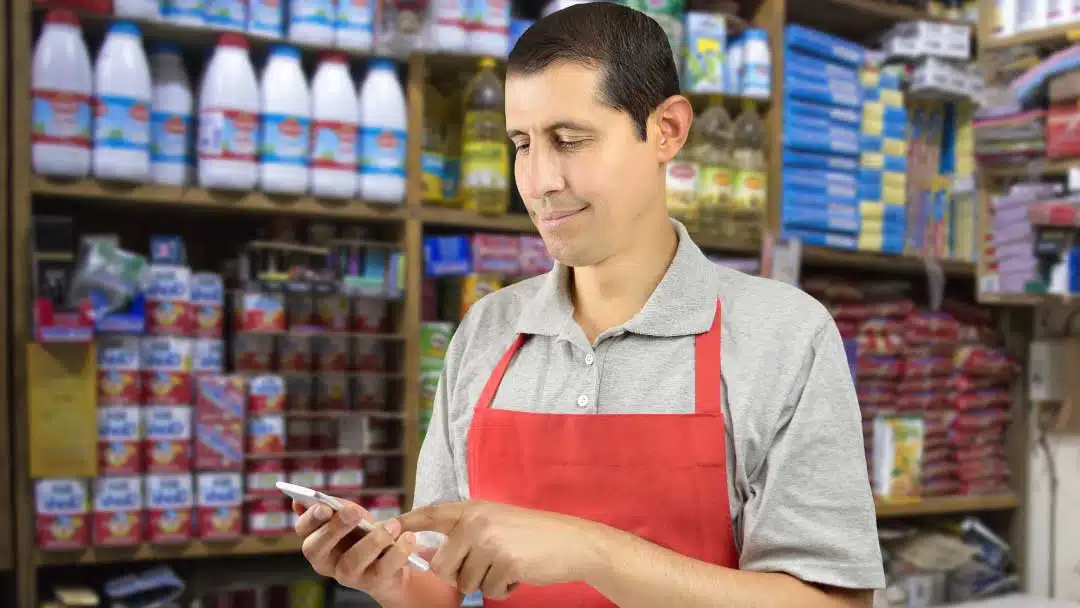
(228, 118)
(335, 116)
(170, 117)
(286, 124)
(61, 85)
(382, 135)
(122, 106)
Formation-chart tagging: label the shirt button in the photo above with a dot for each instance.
(582, 401)
(589, 358)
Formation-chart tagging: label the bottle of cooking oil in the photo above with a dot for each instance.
(485, 153)
(712, 151)
(681, 183)
(451, 178)
(748, 156)
(433, 155)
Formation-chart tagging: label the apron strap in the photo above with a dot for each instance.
(487, 396)
(708, 389)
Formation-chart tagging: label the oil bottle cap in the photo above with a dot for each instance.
(487, 62)
(749, 105)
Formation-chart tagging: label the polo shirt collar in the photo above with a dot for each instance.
(684, 303)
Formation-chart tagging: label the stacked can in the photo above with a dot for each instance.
(220, 406)
(267, 510)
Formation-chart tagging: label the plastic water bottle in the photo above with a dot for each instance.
(61, 87)
(122, 106)
(170, 117)
(336, 114)
(228, 118)
(382, 135)
(286, 124)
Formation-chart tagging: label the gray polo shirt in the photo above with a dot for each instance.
(800, 497)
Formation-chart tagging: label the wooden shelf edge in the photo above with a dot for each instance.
(1050, 36)
(868, 260)
(196, 549)
(211, 200)
(892, 12)
(1035, 169)
(944, 506)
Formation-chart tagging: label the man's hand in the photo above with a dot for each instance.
(492, 547)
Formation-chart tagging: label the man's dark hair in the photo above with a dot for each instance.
(629, 47)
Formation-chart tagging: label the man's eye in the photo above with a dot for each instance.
(521, 147)
(569, 145)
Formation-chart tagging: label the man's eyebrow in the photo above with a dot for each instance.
(562, 125)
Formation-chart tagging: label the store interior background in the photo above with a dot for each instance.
(438, 249)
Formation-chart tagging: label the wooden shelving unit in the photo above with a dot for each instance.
(7, 515)
(412, 220)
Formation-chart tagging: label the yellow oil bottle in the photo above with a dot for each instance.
(485, 151)
(433, 154)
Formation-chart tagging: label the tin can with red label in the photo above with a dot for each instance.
(266, 395)
(268, 516)
(219, 445)
(346, 473)
(376, 472)
(208, 356)
(299, 393)
(295, 353)
(259, 312)
(331, 392)
(308, 472)
(170, 506)
(300, 310)
(254, 353)
(168, 438)
(168, 301)
(299, 435)
(369, 393)
(368, 315)
(262, 476)
(383, 506)
(120, 436)
(62, 513)
(166, 370)
(119, 381)
(368, 354)
(332, 312)
(208, 305)
(219, 506)
(118, 511)
(266, 434)
(332, 353)
(220, 397)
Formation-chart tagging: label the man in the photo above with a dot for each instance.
(638, 427)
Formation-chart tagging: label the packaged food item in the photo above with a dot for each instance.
(166, 370)
(219, 506)
(268, 516)
(208, 305)
(168, 431)
(254, 353)
(118, 511)
(170, 502)
(266, 434)
(119, 380)
(295, 353)
(168, 301)
(62, 513)
(120, 433)
(266, 395)
(259, 312)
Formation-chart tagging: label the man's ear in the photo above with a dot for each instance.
(672, 119)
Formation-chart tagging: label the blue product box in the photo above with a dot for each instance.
(813, 68)
(803, 110)
(881, 162)
(889, 146)
(828, 191)
(446, 256)
(875, 110)
(826, 46)
(884, 130)
(818, 141)
(869, 191)
(800, 196)
(877, 211)
(886, 97)
(808, 218)
(835, 130)
(811, 160)
(817, 238)
(806, 177)
(825, 91)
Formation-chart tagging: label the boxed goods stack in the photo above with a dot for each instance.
(883, 162)
(822, 117)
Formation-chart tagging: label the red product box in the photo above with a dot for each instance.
(120, 440)
(262, 476)
(165, 364)
(266, 434)
(253, 353)
(207, 356)
(168, 438)
(299, 435)
(346, 473)
(62, 513)
(331, 392)
(219, 445)
(268, 516)
(170, 506)
(376, 472)
(1063, 131)
(368, 315)
(332, 312)
(118, 511)
(119, 382)
(259, 312)
(219, 506)
(295, 353)
(368, 354)
(497, 254)
(535, 258)
(168, 301)
(266, 395)
(332, 353)
(208, 305)
(220, 397)
(368, 393)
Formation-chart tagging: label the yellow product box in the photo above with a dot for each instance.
(892, 179)
(875, 210)
(871, 242)
(872, 160)
(873, 110)
(897, 456)
(893, 196)
(892, 98)
(894, 147)
(870, 77)
(475, 286)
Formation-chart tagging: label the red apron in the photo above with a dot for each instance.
(662, 477)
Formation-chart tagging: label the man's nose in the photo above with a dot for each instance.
(545, 173)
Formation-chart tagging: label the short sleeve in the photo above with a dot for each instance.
(810, 510)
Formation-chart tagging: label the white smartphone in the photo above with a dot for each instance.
(309, 498)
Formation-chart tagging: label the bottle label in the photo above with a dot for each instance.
(169, 137)
(450, 12)
(755, 79)
(714, 187)
(681, 183)
(749, 192)
(354, 15)
(382, 151)
(227, 135)
(431, 167)
(485, 165)
(285, 139)
(228, 13)
(333, 145)
(175, 9)
(450, 176)
(122, 123)
(312, 12)
(265, 16)
(60, 118)
(490, 16)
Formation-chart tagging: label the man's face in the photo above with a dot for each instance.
(583, 172)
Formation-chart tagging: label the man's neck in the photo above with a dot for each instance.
(611, 293)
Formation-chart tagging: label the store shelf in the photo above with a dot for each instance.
(250, 545)
(1051, 37)
(88, 190)
(857, 18)
(865, 260)
(944, 506)
(1037, 168)
(1018, 300)
(459, 218)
